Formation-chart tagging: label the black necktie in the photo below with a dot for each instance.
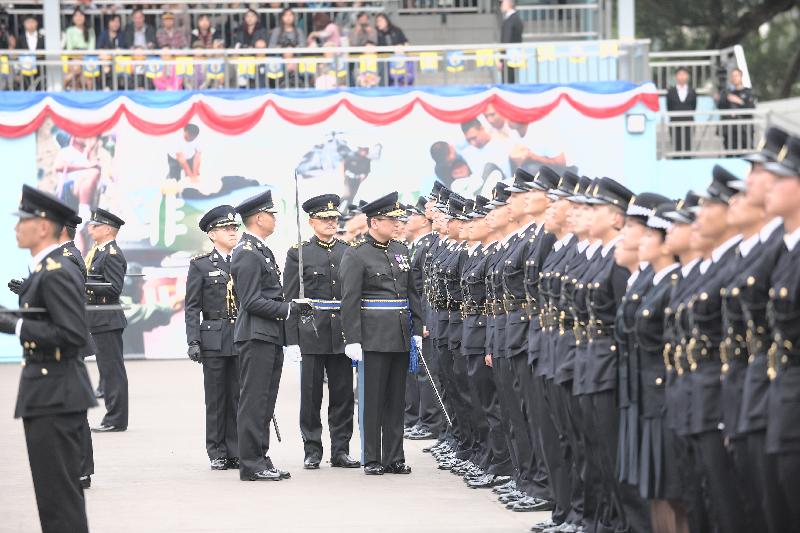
(227, 259)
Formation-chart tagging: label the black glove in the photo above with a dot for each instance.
(301, 309)
(8, 321)
(15, 285)
(194, 351)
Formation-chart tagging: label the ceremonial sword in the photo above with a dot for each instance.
(433, 385)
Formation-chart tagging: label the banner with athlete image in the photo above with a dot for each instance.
(161, 160)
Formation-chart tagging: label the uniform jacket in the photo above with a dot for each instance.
(545, 337)
(473, 290)
(372, 270)
(453, 270)
(628, 357)
(70, 252)
(108, 265)
(321, 262)
(512, 279)
(54, 379)
(257, 282)
(211, 305)
(497, 292)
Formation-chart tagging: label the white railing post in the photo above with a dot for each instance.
(52, 42)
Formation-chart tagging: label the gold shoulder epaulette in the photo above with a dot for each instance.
(51, 264)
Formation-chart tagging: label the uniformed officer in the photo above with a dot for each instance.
(319, 338)
(259, 336)
(105, 262)
(382, 324)
(54, 391)
(210, 313)
(783, 367)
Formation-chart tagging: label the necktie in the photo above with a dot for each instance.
(227, 259)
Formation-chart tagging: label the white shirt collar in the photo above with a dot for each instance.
(661, 274)
(101, 246)
(509, 13)
(508, 237)
(643, 265)
(720, 250)
(687, 268)
(582, 245)
(633, 277)
(613, 242)
(791, 239)
(769, 228)
(38, 258)
(220, 253)
(704, 265)
(593, 248)
(747, 245)
(522, 231)
(472, 249)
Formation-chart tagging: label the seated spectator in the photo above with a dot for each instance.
(249, 32)
(368, 77)
(77, 37)
(168, 36)
(31, 38)
(388, 33)
(168, 80)
(287, 34)
(137, 33)
(363, 32)
(325, 33)
(203, 36)
(111, 38)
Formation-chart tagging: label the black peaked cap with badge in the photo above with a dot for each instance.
(217, 217)
(444, 195)
(260, 203)
(500, 195)
(546, 179)
(770, 146)
(643, 205)
(566, 185)
(74, 222)
(610, 192)
(523, 181)
(658, 219)
(788, 161)
(684, 212)
(385, 206)
(322, 206)
(582, 190)
(723, 186)
(102, 216)
(481, 207)
(39, 204)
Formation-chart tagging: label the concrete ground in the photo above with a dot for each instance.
(155, 476)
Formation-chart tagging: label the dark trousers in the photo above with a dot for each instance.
(384, 383)
(411, 416)
(726, 505)
(111, 366)
(340, 402)
(221, 385)
(527, 389)
(458, 410)
(261, 364)
(490, 429)
(559, 395)
(766, 484)
(54, 453)
(682, 137)
(472, 410)
(87, 450)
(430, 414)
(788, 468)
(747, 479)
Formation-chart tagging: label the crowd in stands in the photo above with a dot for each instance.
(149, 36)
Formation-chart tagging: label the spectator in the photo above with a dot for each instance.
(139, 34)
(249, 32)
(681, 97)
(111, 38)
(79, 36)
(510, 32)
(168, 80)
(203, 36)
(168, 36)
(326, 73)
(368, 78)
(346, 18)
(31, 38)
(287, 34)
(388, 33)
(736, 96)
(363, 33)
(326, 33)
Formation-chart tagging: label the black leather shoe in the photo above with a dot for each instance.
(422, 433)
(344, 461)
(512, 497)
(311, 462)
(102, 428)
(233, 463)
(283, 473)
(531, 505)
(86, 482)
(398, 467)
(264, 475)
(487, 482)
(373, 469)
(219, 464)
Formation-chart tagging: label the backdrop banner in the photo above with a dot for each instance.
(160, 160)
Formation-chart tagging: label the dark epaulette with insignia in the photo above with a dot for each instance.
(296, 246)
(402, 243)
(200, 256)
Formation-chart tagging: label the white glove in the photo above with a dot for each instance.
(293, 353)
(354, 351)
(418, 342)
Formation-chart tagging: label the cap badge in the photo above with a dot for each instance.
(330, 205)
(783, 153)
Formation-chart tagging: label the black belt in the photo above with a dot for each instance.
(95, 300)
(472, 309)
(217, 315)
(33, 354)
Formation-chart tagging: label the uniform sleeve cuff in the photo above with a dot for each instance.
(18, 328)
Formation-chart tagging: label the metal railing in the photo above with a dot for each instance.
(303, 68)
(715, 133)
(567, 21)
(707, 68)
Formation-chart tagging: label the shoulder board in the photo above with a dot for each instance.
(112, 250)
(200, 256)
(51, 264)
(66, 252)
(296, 246)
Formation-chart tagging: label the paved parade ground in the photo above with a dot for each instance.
(155, 477)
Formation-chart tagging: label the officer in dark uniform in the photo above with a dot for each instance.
(209, 292)
(54, 391)
(783, 366)
(259, 336)
(382, 323)
(105, 262)
(319, 338)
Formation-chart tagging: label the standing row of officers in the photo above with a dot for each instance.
(629, 362)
